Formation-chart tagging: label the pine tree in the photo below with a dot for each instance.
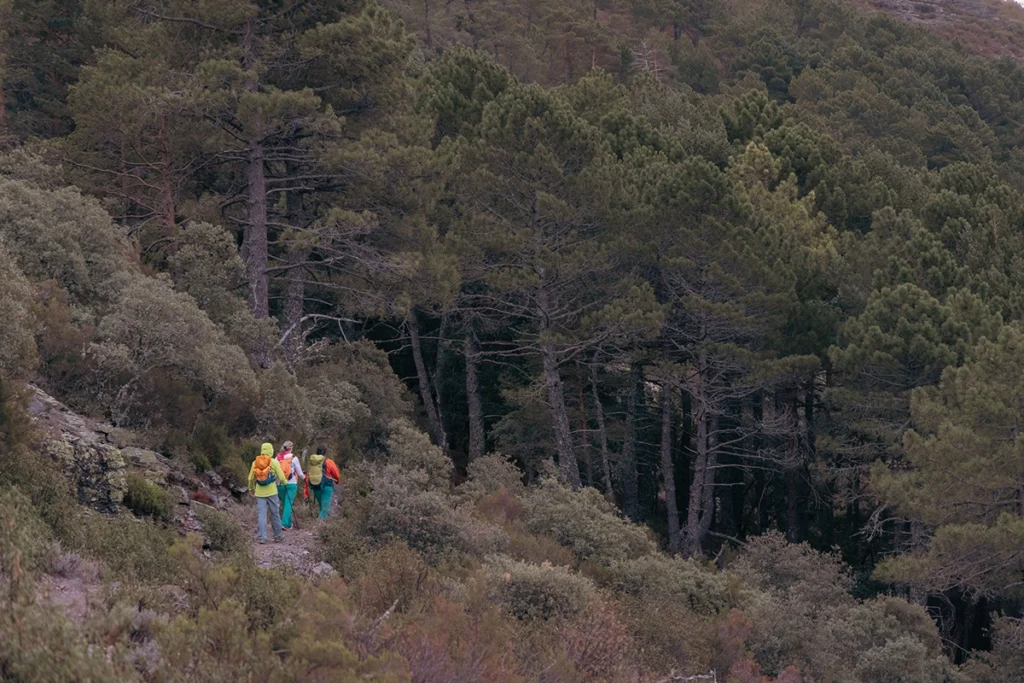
(961, 475)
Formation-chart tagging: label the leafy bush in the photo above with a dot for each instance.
(146, 498)
(152, 326)
(131, 548)
(17, 342)
(221, 530)
(38, 643)
(538, 549)
(772, 563)
(234, 471)
(500, 507)
(489, 475)
(530, 592)
(584, 522)
(393, 575)
(26, 544)
(411, 449)
(402, 509)
(599, 645)
(674, 580)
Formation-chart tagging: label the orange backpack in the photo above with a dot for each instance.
(286, 466)
(263, 470)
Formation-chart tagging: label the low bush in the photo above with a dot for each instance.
(491, 474)
(530, 592)
(392, 576)
(26, 544)
(683, 582)
(411, 449)
(500, 507)
(131, 548)
(584, 522)
(401, 509)
(538, 549)
(146, 498)
(221, 531)
(599, 645)
(772, 563)
(234, 471)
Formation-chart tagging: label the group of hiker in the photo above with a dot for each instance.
(274, 480)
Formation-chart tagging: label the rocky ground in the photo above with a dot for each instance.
(98, 457)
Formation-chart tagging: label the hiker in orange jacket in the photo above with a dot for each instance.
(322, 475)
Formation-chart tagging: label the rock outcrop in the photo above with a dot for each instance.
(83, 451)
(96, 457)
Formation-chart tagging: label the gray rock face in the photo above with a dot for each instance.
(97, 457)
(321, 570)
(98, 470)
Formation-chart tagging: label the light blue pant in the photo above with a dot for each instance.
(262, 505)
(323, 498)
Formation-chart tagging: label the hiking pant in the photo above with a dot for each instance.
(323, 499)
(262, 505)
(287, 492)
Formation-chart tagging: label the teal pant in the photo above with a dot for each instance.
(323, 499)
(287, 493)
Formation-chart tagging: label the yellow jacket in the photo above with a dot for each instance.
(270, 489)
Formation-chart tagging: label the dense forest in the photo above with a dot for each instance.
(655, 337)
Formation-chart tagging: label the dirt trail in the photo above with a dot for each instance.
(298, 550)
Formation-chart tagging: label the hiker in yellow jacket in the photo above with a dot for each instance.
(264, 475)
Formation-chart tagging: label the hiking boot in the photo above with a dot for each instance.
(262, 541)
(279, 540)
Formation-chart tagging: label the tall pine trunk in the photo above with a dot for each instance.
(556, 396)
(668, 472)
(794, 518)
(255, 243)
(433, 420)
(473, 401)
(588, 458)
(699, 509)
(630, 482)
(255, 240)
(602, 432)
(560, 417)
(294, 299)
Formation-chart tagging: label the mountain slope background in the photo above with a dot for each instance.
(655, 338)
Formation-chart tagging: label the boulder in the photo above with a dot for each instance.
(97, 470)
(321, 570)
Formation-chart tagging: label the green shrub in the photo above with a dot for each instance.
(38, 643)
(221, 531)
(772, 563)
(530, 592)
(584, 522)
(394, 575)
(401, 509)
(674, 580)
(143, 497)
(132, 548)
(490, 474)
(26, 544)
(410, 449)
(34, 473)
(234, 471)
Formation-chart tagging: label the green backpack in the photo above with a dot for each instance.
(317, 470)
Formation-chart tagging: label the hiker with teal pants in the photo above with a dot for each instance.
(322, 475)
(289, 489)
